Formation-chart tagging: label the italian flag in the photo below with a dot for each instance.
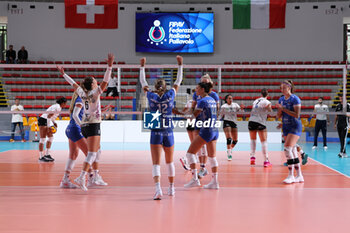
(258, 14)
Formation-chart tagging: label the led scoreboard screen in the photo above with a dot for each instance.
(175, 32)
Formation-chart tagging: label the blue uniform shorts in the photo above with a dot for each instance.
(209, 134)
(292, 129)
(74, 133)
(162, 137)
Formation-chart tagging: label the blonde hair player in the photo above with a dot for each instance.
(161, 101)
(257, 125)
(44, 123)
(229, 113)
(90, 93)
(77, 141)
(203, 153)
(289, 107)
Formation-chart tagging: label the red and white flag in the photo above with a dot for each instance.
(91, 13)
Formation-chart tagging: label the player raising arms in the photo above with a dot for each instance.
(289, 107)
(76, 142)
(161, 101)
(90, 92)
(206, 110)
(257, 125)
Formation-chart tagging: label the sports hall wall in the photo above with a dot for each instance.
(310, 34)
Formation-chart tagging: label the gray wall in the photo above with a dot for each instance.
(310, 34)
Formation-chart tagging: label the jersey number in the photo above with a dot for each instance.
(163, 108)
(86, 105)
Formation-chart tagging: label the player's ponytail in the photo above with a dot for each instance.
(160, 86)
(72, 102)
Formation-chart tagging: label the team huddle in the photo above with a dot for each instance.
(84, 133)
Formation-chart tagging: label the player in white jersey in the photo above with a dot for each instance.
(257, 125)
(229, 113)
(44, 123)
(90, 92)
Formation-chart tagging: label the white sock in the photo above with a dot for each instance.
(41, 154)
(82, 174)
(264, 150)
(66, 176)
(171, 185)
(47, 151)
(215, 177)
(70, 164)
(252, 147)
(96, 172)
(291, 170)
(298, 169)
(194, 174)
(157, 185)
(229, 151)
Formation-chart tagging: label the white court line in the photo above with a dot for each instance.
(330, 168)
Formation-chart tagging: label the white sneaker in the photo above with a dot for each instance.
(314, 147)
(171, 191)
(67, 184)
(193, 183)
(202, 172)
(184, 163)
(299, 179)
(289, 180)
(325, 147)
(81, 182)
(99, 181)
(212, 185)
(158, 195)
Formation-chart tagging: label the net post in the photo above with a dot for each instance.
(119, 77)
(116, 115)
(134, 108)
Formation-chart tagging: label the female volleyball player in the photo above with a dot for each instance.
(229, 113)
(206, 110)
(76, 142)
(44, 123)
(257, 125)
(161, 101)
(90, 92)
(202, 154)
(289, 107)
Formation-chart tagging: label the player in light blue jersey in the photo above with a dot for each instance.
(76, 142)
(206, 114)
(289, 107)
(161, 101)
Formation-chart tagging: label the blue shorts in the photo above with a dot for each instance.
(209, 134)
(74, 133)
(292, 129)
(162, 137)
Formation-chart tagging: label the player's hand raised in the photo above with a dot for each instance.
(143, 62)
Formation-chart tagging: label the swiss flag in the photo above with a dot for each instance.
(91, 13)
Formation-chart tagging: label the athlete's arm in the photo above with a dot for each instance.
(179, 77)
(67, 78)
(197, 112)
(108, 72)
(143, 81)
(76, 111)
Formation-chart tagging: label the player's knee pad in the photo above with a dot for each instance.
(228, 141)
(50, 139)
(288, 152)
(155, 170)
(213, 161)
(42, 140)
(191, 158)
(171, 169)
(98, 156)
(234, 142)
(296, 161)
(90, 158)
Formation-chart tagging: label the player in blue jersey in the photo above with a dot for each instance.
(289, 107)
(161, 103)
(76, 142)
(203, 154)
(206, 115)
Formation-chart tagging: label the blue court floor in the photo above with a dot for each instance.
(328, 158)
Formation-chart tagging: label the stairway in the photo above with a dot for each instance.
(340, 91)
(3, 97)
